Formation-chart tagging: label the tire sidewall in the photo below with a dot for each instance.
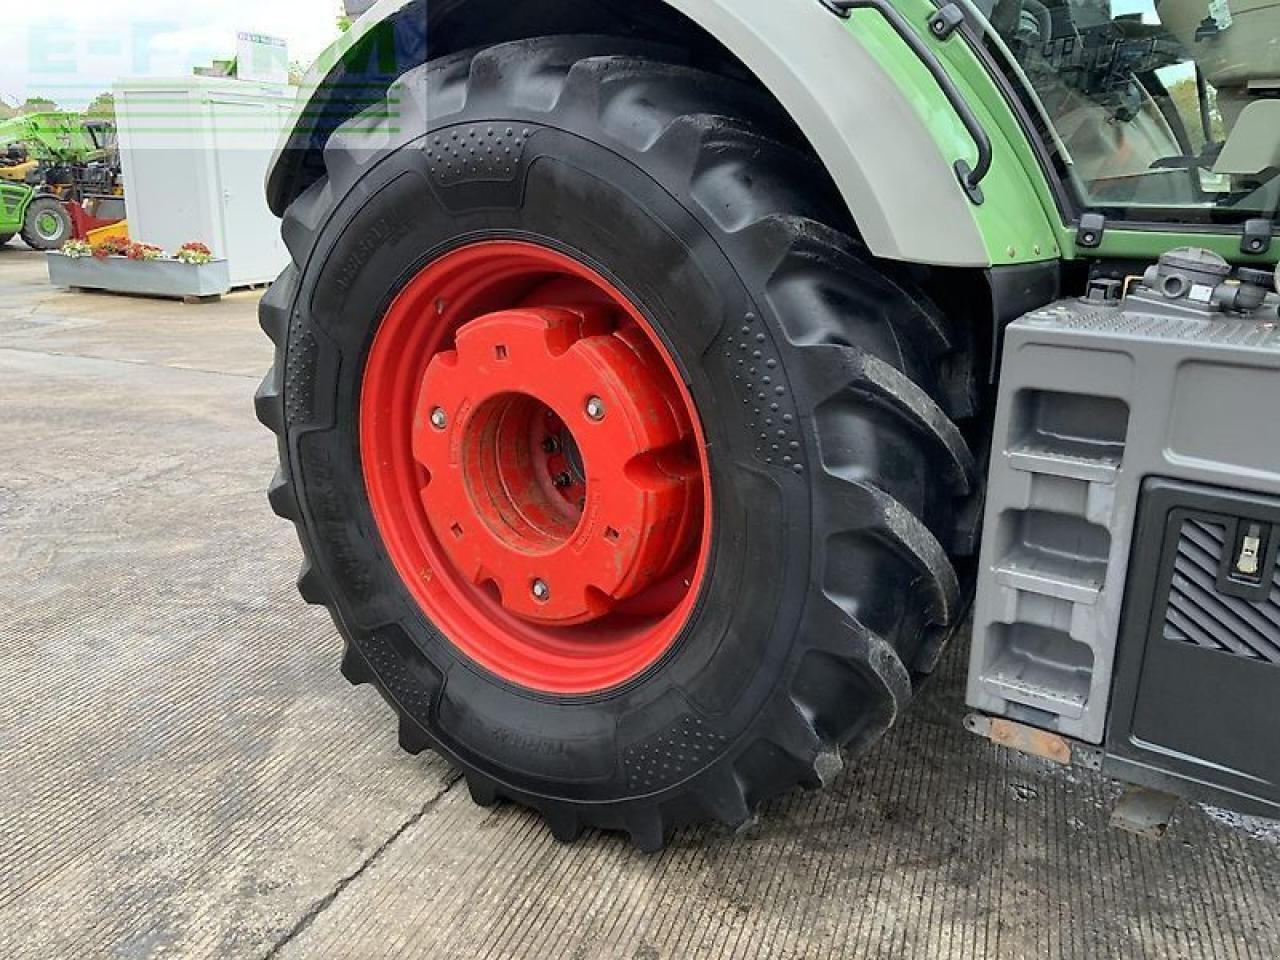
(606, 209)
(39, 207)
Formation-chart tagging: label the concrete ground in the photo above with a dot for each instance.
(184, 773)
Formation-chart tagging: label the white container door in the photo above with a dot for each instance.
(244, 134)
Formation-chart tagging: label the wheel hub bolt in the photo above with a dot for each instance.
(438, 418)
(541, 592)
(595, 408)
(563, 480)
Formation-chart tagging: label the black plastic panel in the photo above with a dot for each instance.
(1200, 613)
(1196, 702)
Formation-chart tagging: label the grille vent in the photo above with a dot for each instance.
(1198, 614)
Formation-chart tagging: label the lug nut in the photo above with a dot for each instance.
(541, 592)
(562, 480)
(595, 408)
(438, 418)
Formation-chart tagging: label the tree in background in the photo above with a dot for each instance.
(1186, 99)
(37, 104)
(103, 107)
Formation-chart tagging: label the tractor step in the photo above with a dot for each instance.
(1160, 402)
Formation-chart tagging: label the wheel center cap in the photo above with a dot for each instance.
(561, 474)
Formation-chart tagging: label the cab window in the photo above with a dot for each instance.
(1155, 110)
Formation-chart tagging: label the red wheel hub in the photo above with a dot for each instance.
(535, 467)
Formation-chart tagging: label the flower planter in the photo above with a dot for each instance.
(155, 278)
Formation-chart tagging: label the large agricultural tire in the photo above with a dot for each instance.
(47, 225)
(785, 530)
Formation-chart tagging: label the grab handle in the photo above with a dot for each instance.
(970, 177)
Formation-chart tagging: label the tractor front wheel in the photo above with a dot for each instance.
(47, 225)
(628, 475)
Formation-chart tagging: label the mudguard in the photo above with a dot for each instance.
(900, 188)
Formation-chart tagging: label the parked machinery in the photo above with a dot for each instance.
(65, 159)
(656, 382)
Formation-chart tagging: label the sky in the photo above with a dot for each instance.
(71, 50)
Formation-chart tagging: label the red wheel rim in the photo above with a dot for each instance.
(536, 467)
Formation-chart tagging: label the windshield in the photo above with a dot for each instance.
(1157, 109)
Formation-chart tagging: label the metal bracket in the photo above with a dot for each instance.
(1034, 742)
(946, 21)
(1093, 226)
(1257, 236)
(970, 177)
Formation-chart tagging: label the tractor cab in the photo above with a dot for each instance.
(1151, 111)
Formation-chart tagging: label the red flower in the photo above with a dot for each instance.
(143, 251)
(111, 247)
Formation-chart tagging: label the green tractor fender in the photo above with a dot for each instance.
(854, 87)
(14, 200)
